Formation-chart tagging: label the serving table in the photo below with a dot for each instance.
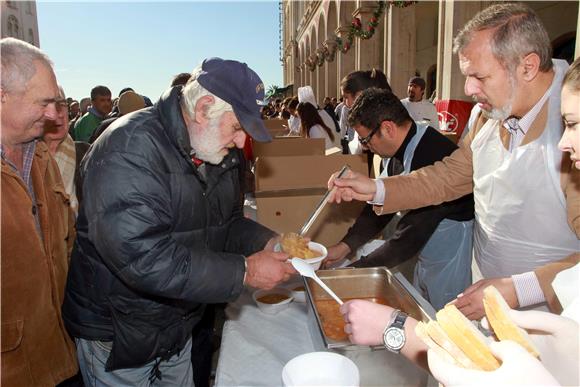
(255, 347)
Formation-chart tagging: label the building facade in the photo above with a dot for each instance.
(19, 20)
(408, 38)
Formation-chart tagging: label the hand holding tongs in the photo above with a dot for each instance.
(321, 204)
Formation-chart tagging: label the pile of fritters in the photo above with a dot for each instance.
(297, 246)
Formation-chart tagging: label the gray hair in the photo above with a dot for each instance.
(18, 65)
(193, 91)
(61, 93)
(518, 32)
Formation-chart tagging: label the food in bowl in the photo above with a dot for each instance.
(319, 250)
(272, 298)
(297, 246)
(272, 301)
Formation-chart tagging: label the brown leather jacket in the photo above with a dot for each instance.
(36, 349)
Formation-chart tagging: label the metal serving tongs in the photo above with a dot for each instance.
(321, 204)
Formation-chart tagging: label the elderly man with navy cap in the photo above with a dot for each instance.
(161, 231)
(420, 109)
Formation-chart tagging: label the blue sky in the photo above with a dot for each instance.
(143, 44)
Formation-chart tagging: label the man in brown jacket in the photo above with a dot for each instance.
(527, 199)
(37, 228)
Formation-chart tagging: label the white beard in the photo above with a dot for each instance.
(499, 114)
(207, 145)
(505, 111)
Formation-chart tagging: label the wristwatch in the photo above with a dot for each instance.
(394, 334)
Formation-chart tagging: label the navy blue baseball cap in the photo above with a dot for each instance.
(241, 87)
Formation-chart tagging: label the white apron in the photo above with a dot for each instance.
(520, 209)
(443, 269)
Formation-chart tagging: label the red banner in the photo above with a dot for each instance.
(453, 115)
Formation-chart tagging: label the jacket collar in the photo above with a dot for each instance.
(169, 107)
(400, 154)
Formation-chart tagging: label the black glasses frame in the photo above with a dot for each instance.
(367, 139)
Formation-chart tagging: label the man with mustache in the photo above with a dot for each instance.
(526, 199)
(161, 232)
(420, 109)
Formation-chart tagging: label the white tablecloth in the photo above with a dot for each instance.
(255, 346)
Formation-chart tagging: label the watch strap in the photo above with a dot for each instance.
(399, 319)
(392, 318)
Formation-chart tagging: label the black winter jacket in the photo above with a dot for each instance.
(156, 241)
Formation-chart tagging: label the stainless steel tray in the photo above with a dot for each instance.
(349, 283)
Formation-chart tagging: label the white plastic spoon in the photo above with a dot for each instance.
(306, 270)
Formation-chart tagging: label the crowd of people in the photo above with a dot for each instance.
(332, 121)
(122, 220)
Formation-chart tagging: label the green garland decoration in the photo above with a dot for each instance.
(343, 45)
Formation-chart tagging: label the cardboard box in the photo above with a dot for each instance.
(288, 189)
(289, 146)
(277, 133)
(276, 123)
(277, 127)
(333, 151)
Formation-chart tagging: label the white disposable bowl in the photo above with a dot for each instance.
(320, 369)
(314, 262)
(299, 295)
(273, 308)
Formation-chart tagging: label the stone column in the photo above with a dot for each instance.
(453, 15)
(386, 47)
(295, 69)
(401, 47)
(577, 54)
(303, 74)
(368, 52)
(346, 61)
(310, 74)
(316, 75)
(322, 74)
(291, 65)
(330, 56)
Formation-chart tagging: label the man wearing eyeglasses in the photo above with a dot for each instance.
(441, 234)
(66, 152)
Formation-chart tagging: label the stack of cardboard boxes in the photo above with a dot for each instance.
(291, 178)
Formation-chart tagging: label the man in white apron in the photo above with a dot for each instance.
(440, 235)
(511, 163)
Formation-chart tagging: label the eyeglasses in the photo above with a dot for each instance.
(364, 141)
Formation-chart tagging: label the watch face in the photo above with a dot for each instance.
(394, 338)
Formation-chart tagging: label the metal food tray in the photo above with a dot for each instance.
(351, 283)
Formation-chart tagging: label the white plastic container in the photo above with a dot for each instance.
(314, 262)
(320, 369)
(272, 307)
(298, 290)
